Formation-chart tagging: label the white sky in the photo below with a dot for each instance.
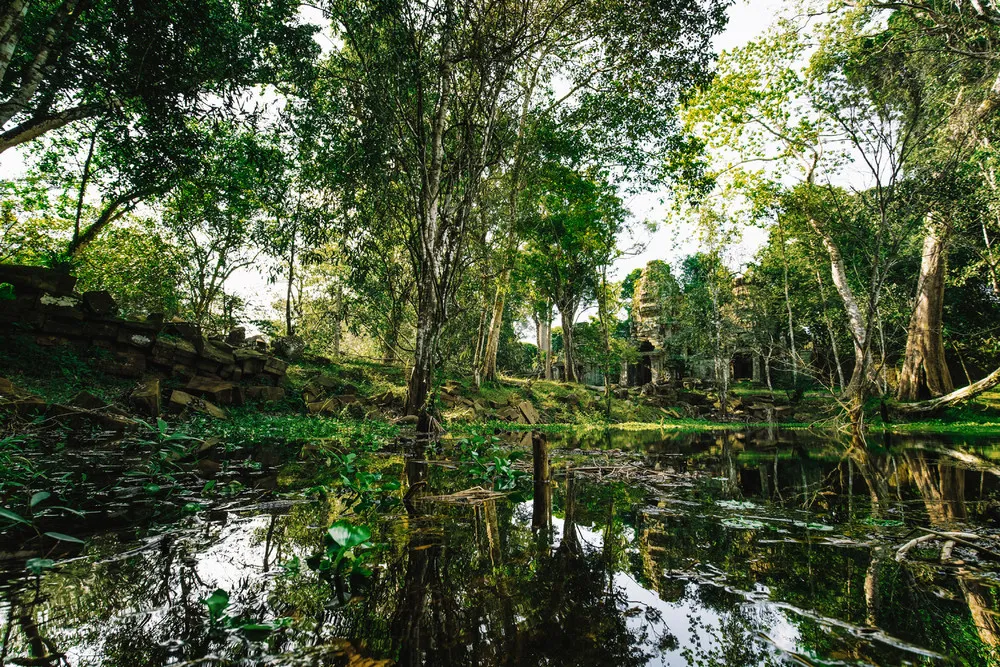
(671, 242)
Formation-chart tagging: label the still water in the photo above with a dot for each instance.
(614, 548)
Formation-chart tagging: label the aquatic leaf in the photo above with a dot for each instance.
(38, 565)
(256, 629)
(813, 526)
(884, 523)
(216, 603)
(193, 507)
(63, 537)
(152, 489)
(346, 536)
(744, 524)
(13, 516)
(39, 497)
(736, 504)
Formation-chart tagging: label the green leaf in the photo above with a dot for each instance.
(38, 565)
(63, 537)
(346, 536)
(217, 603)
(12, 516)
(39, 497)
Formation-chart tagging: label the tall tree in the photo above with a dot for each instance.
(153, 62)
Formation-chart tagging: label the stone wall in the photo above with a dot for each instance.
(46, 307)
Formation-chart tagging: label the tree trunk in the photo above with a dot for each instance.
(858, 384)
(788, 307)
(954, 398)
(338, 317)
(428, 333)
(289, 326)
(925, 373)
(832, 334)
(488, 369)
(569, 358)
(547, 339)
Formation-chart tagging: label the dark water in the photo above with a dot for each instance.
(642, 549)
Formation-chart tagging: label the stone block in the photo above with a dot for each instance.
(130, 335)
(275, 366)
(265, 394)
(185, 330)
(528, 413)
(51, 341)
(37, 278)
(124, 364)
(58, 326)
(168, 350)
(215, 352)
(219, 391)
(328, 407)
(99, 302)
(253, 367)
(68, 306)
(180, 400)
(237, 336)
(99, 329)
(86, 401)
(146, 398)
(207, 367)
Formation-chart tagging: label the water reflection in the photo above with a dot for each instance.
(743, 549)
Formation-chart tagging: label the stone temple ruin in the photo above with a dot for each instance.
(208, 372)
(654, 328)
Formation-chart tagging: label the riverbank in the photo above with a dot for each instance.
(352, 399)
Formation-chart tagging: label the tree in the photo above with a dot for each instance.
(156, 64)
(573, 234)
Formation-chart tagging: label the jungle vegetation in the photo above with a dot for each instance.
(422, 183)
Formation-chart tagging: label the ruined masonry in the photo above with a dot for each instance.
(215, 372)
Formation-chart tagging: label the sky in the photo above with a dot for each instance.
(673, 242)
(670, 242)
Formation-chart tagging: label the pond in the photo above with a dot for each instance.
(608, 548)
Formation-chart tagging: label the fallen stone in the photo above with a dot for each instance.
(145, 398)
(329, 406)
(237, 336)
(99, 302)
(265, 394)
(124, 364)
(275, 366)
(528, 413)
(77, 418)
(215, 351)
(37, 278)
(290, 347)
(219, 391)
(87, 401)
(17, 400)
(186, 330)
(181, 400)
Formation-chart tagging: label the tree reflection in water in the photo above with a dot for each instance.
(752, 549)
